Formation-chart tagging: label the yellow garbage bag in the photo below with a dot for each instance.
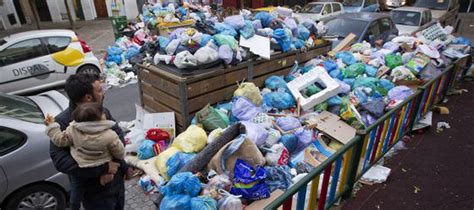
(250, 91)
(192, 140)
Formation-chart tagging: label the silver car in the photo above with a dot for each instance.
(28, 179)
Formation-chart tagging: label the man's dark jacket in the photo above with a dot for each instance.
(64, 162)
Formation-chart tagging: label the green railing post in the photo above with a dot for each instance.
(353, 166)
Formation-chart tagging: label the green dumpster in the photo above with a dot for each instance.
(118, 22)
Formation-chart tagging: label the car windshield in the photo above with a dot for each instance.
(353, 3)
(433, 4)
(406, 18)
(312, 8)
(20, 108)
(343, 27)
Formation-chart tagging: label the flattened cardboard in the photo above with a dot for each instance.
(332, 125)
(261, 204)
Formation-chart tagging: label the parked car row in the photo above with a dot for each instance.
(358, 17)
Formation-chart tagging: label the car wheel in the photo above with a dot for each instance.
(88, 69)
(40, 196)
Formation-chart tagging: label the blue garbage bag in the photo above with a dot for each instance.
(177, 161)
(462, 40)
(163, 42)
(114, 50)
(131, 52)
(386, 84)
(334, 101)
(182, 11)
(374, 106)
(182, 183)
(346, 57)
(114, 59)
(279, 100)
(249, 182)
(146, 151)
(176, 202)
(225, 29)
(303, 33)
(298, 43)
(283, 39)
(359, 94)
(205, 39)
(204, 202)
(349, 81)
(370, 70)
(278, 177)
(274, 82)
(290, 141)
(265, 18)
(330, 65)
(247, 30)
(337, 74)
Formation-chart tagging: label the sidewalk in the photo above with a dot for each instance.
(436, 171)
(98, 34)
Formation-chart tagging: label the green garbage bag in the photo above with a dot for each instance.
(353, 70)
(370, 82)
(211, 118)
(311, 90)
(321, 107)
(226, 40)
(392, 60)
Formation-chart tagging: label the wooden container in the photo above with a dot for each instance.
(162, 90)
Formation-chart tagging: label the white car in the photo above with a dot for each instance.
(410, 19)
(395, 3)
(320, 11)
(36, 60)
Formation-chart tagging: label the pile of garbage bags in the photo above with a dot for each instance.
(208, 42)
(279, 144)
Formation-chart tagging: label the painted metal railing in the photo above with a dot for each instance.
(326, 183)
(381, 136)
(335, 177)
(434, 91)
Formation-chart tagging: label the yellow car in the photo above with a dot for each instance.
(38, 60)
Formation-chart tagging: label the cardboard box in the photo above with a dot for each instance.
(333, 126)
